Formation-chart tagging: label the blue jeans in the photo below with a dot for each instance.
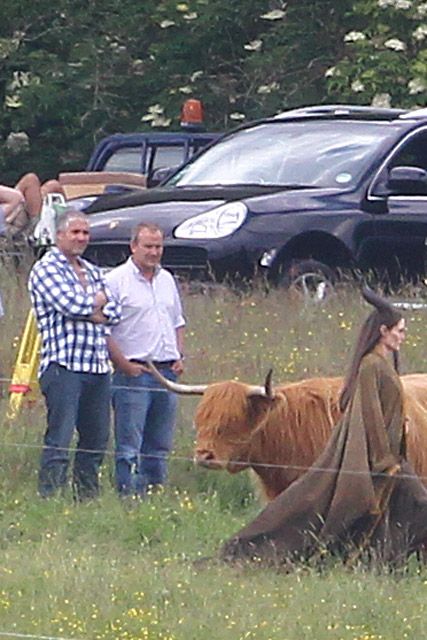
(144, 415)
(74, 401)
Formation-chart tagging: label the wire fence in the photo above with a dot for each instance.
(257, 465)
(170, 457)
(15, 634)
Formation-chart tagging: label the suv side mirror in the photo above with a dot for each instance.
(158, 175)
(408, 180)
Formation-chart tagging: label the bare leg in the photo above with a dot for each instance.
(29, 186)
(52, 186)
(9, 199)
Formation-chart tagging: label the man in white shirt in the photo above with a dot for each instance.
(151, 328)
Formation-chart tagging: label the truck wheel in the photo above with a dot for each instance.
(312, 280)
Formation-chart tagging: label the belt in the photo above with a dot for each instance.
(157, 363)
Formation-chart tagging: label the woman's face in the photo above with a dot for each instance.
(392, 338)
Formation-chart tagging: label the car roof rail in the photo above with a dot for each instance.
(344, 111)
(415, 114)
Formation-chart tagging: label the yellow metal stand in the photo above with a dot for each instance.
(24, 378)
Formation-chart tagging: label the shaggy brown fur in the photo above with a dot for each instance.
(235, 431)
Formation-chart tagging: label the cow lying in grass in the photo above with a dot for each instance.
(280, 431)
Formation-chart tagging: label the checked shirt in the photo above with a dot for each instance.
(62, 306)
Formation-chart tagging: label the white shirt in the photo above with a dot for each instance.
(151, 313)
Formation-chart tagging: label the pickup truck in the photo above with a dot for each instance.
(147, 153)
(130, 160)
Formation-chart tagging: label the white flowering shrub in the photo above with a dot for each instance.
(384, 54)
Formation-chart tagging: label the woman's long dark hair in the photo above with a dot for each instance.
(369, 336)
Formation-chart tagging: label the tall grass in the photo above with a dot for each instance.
(149, 570)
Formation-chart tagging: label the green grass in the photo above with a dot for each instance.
(149, 570)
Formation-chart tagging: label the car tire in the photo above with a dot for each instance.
(310, 279)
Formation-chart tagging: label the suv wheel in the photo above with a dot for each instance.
(312, 280)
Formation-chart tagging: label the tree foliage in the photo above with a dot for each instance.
(72, 72)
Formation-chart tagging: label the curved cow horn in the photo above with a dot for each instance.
(266, 391)
(267, 384)
(183, 389)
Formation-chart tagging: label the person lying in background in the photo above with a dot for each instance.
(20, 205)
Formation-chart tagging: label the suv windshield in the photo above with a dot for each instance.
(309, 153)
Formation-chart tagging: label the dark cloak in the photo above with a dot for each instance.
(360, 493)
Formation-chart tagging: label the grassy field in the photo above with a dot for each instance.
(148, 570)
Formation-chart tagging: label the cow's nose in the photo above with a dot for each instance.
(203, 456)
(206, 458)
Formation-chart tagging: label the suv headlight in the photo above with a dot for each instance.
(217, 223)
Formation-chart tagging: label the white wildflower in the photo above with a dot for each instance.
(354, 36)
(357, 86)
(18, 141)
(156, 108)
(253, 45)
(186, 89)
(420, 32)
(236, 115)
(182, 7)
(193, 15)
(138, 67)
(276, 14)
(160, 121)
(22, 79)
(165, 24)
(331, 72)
(417, 85)
(268, 88)
(422, 10)
(13, 101)
(196, 75)
(154, 111)
(396, 4)
(381, 101)
(395, 44)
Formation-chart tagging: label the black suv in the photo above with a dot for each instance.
(305, 194)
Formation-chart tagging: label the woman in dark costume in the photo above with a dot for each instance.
(361, 493)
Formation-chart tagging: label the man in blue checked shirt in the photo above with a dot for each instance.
(73, 305)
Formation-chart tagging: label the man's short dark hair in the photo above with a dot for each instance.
(149, 226)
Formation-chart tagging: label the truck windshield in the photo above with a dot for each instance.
(308, 153)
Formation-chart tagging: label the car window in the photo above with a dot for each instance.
(167, 156)
(125, 159)
(412, 153)
(318, 154)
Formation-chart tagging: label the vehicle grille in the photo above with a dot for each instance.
(107, 255)
(174, 257)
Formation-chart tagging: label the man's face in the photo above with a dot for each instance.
(73, 240)
(147, 251)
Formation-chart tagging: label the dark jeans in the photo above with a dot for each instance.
(144, 428)
(74, 401)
